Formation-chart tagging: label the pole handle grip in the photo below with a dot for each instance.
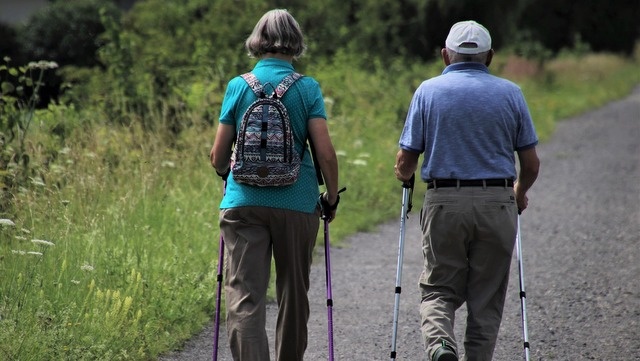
(410, 183)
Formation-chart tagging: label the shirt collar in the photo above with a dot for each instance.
(466, 67)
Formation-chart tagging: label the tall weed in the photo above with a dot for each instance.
(19, 97)
(130, 265)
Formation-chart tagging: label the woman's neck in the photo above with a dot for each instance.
(287, 58)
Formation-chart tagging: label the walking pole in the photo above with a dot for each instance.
(328, 282)
(219, 290)
(523, 296)
(327, 262)
(407, 192)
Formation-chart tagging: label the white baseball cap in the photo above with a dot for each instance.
(468, 37)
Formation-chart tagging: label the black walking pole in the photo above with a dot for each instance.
(219, 290)
(407, 192)
(523, 295)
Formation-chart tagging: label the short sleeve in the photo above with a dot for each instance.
(412, 137)
(526, 137)
(231, 100)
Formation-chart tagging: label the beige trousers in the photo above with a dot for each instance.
(251, 236)
(468, 240)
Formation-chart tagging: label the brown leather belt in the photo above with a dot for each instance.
(443, 183)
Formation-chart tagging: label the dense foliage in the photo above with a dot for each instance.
(164, 51)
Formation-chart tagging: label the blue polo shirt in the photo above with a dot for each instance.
(469, 124)
(304, 101)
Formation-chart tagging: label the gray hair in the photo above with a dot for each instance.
(473, 58)
(276, 32)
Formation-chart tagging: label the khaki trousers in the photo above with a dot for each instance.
(468, 240)
(251, 236)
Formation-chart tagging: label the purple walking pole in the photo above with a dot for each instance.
(218, 297)
(219, 290)
(327, 261)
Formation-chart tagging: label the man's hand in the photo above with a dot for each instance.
(521, 198)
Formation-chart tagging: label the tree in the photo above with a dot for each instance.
(604, 25)
(66, 32)
(9, 45)
(608, 25)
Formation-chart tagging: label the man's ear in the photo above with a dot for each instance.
(489, 57)
(445, 57)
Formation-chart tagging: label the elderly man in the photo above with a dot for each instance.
(469, 125)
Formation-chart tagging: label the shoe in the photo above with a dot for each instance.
(444, 353)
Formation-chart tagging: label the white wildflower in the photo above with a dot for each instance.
(24, 230)
(87, 267)
(21, 238)
(55, 168)
(22, 253)
(364, 155)
(75, 282)
(6, 222)
(42, 64)
(341, 153)
(167, 164)
(37, 182)
(358, 162)
(42, 242)
(35, 253)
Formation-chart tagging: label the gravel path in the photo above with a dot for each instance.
(581, 251)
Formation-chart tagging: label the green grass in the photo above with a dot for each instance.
(131, 268)
(573, 85)
(128, 269)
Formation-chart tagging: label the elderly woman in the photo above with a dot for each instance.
(257, 221)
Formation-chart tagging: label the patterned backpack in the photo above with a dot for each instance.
(264, 154)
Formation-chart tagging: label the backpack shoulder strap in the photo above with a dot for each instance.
(286, 83)
(254, 83)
